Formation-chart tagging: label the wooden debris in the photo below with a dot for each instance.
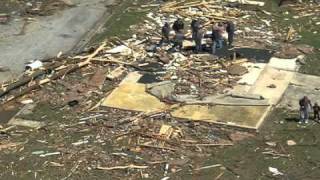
(208, 167)
(5, 130)
(55, 164)
(223, 144)
(26, 123)
(119, 71)
(97, 80)
(219, 176)
(9, 145)
(131, 166)
(276, 154)
(165, 131)
(57, 75)
(157, 147)
(290, 33)
(27, 78)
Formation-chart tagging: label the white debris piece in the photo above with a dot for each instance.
(27, 101)
(122, 49)
(80, 143)
(248, 2)
(291, 143)
(268, 23)
(34, 65)
(50, 154)
(59, 54)
(275, 171)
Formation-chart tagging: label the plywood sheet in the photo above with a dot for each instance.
(131, 95)
(240, 116)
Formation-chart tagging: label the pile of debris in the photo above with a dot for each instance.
(126, 97)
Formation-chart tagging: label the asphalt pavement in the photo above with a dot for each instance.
(46, 36)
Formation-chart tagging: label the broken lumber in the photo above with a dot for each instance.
(97, 80)
(225, 144)
(247, 96)
(131, 166)
(208, 167)
(9, 145)
(26, 79)
(157, 147)
(119, 71)
(69, 69)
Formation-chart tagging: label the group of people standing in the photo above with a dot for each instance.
(305, 108)
(198, 33)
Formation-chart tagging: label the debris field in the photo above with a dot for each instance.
(133, 109)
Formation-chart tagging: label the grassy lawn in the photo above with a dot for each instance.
(124, 15)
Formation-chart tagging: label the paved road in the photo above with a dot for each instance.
(47, 36)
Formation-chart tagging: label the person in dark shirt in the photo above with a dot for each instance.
(195, 24)
(230, 28)
(305, 106)
(316, 110)
(178, 25)
(165, 32)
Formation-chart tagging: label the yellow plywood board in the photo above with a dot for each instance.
(241, 116)
(131, 95)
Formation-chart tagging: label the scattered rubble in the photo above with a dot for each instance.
(137, 107)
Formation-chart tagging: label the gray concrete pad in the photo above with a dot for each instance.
(301, 85)
(45, 37)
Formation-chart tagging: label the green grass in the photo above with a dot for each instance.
(123, 16)
(245, 159)
(305, 28)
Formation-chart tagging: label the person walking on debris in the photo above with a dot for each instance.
(316, 110)
(216, 38)
(165, 32)
(198, 39)
(178, 41)
(230, 28)
(178, 25)
(305, 106)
